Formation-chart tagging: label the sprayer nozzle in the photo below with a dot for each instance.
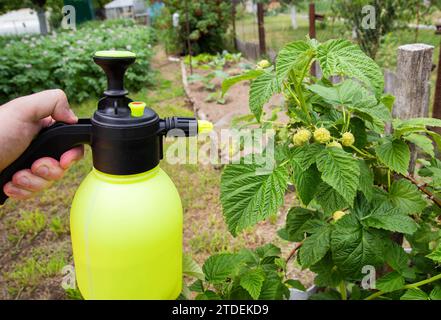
(204, 126)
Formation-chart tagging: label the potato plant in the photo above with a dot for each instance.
(357, 201)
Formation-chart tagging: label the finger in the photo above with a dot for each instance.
(25, 179)
(43, 104)
(47, 122)
(47, 168)
(71, 156)
(14, 192)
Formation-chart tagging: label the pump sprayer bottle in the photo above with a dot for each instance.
(126, 217)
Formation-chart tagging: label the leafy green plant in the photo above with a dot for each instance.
(207, 80)
(208, 23)
(247, 274)
(358, 200)
(64, 60)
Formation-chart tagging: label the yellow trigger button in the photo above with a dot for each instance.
(137, 108)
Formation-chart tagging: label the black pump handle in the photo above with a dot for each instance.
(50, 142)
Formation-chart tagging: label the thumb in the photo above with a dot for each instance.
(38, 106)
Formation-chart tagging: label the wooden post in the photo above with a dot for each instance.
(312, 34)
(412, 85)
(261, 28)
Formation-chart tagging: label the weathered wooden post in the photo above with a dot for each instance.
(412, 84)
(261, 28)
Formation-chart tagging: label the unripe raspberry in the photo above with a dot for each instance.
(337, 215)
(301, 137)
(347, 139)
(263, 64)
(322, 135)
(334, 144)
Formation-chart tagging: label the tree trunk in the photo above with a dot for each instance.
(293, 11)
(41, 14)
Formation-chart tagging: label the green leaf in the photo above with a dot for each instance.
(329, 199)
(197, 286)
(191, 268)
(414, 294)
(341, 57)
(435, 255)
(340, 170)
(406, 196)
(219, 267)
(296, 284)
(315, 247)
(435, 294)
(294, 56)
(297, 221)
(354, 246)
(247, 197)
(422, 142)
(394, 154)
(414, 125)
(390, 218)
(366, 181)
(248, 75)
(390, 282)
(208, 295)
(396, 257)
(305, 156)
(261, 90)
(252, 281)
(327, 273)
(306, 183)
(267, 250)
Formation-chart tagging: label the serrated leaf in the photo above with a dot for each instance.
(261, 90)
(435, 294)
(366, 181)
(219, 267)
(414, 125)
(305, 156)
(197, 286)
(297, 221)
(191, 268)
(267, 250)
(390, 282)
(394, 154)
(252, 281)
(296, 284)
(231, 81)
(329, 199)
(396, 257)
(315, 247)
(414, 294)
(390, 218)
(294, 55)
(354, 246)
(422, 142)
(406, 196)
(306, 183)
(327, 273)
(435, 255)
(247, 197)
(339, 57)
(340, 170)
(208, 295)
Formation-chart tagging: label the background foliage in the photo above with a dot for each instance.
(64, 60)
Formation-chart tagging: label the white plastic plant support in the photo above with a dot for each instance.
(296, 294)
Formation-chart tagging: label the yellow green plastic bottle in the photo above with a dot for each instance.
(126, 216)
(127, 236)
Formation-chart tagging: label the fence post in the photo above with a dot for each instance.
(312, 34)
(261, 28)
(412, 85)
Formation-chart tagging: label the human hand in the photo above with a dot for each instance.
(20, 121)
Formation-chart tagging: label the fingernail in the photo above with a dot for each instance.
(43, 171)
(24, 181)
